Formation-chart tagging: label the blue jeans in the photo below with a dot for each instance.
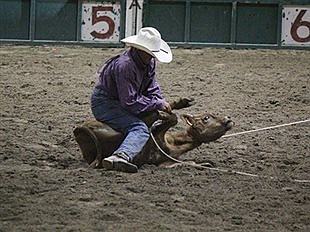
(110, 112)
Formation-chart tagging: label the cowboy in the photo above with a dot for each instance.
(126, 88)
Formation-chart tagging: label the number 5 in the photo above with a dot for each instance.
(108, 20)
(298, 23)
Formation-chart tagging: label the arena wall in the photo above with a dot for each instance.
(228, 23)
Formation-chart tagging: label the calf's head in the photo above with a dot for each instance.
(206, 127)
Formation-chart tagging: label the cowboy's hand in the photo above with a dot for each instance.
(166, 107)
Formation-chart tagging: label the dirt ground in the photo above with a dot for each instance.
(46, 186)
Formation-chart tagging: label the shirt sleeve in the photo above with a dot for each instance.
(131, 93)
(153, 88)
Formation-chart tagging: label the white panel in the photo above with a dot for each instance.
(296, 25)
(133, 16)
(100, 21)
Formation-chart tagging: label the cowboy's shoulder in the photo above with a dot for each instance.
(123, 62)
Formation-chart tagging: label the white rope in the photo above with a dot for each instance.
(229, 135)
(266, 128)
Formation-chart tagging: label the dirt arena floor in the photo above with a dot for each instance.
(46, 186)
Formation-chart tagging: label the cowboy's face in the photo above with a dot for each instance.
(146, 57)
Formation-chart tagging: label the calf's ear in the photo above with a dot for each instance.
(189, 119)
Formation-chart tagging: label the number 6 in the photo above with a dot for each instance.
(298, 23)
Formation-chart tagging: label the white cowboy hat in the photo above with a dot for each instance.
(149, 40)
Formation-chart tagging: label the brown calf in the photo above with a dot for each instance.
(98, 141)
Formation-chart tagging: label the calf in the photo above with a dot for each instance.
(97, 140)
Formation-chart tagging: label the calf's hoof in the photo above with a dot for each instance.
(95, 164)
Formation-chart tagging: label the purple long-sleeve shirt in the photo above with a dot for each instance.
(127, 79)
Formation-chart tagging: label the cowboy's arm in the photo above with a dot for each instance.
(129, 96)
(153, 90)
